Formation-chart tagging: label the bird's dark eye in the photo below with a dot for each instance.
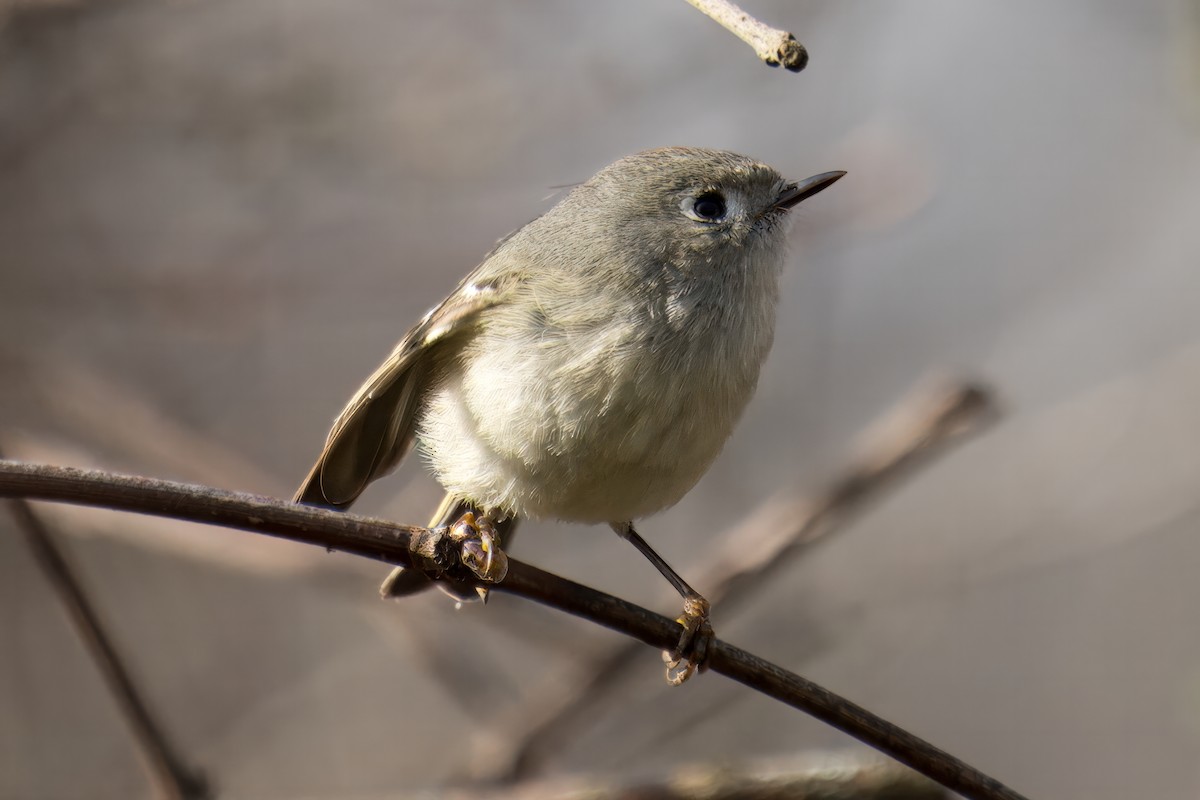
(709, 206)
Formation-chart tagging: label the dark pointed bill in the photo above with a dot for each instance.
(796, 192)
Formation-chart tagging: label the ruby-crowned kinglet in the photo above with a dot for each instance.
(591, 368)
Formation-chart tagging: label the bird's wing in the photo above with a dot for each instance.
(375, 430)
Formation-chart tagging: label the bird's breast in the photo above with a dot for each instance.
(605, 421)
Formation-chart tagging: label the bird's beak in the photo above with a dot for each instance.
(795, 192)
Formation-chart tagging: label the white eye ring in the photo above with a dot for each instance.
(708, 206)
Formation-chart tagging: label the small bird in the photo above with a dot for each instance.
(590, 369)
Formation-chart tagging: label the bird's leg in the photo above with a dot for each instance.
(479, 549)
(405, 581)
(691, 654)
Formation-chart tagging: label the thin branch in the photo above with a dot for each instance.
(921, 427)
(172, 778)
(775, 47)
(812, 776)
(391, 543)
(108, 420)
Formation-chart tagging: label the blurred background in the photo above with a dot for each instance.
(217, 217)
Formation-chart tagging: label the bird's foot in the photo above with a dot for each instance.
(695, 643)
(479, 549)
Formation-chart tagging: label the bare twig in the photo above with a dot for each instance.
(922, 426)
(775, 47)
(813, 776)
(389, 542)
(172, 779)
(91, 416)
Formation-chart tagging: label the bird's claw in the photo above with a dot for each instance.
(692, 652)
(479, 549)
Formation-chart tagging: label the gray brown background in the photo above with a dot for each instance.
(216, 217)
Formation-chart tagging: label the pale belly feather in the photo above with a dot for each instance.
(602, 427)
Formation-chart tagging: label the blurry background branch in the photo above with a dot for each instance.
(812, 776)
(172, 777)
(388, 542)
(922, 426)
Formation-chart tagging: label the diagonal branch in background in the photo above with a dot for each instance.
(390, 542)
(171, 777)
(923, 425)
(775, 47)
(89, 417)
(934, 416)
